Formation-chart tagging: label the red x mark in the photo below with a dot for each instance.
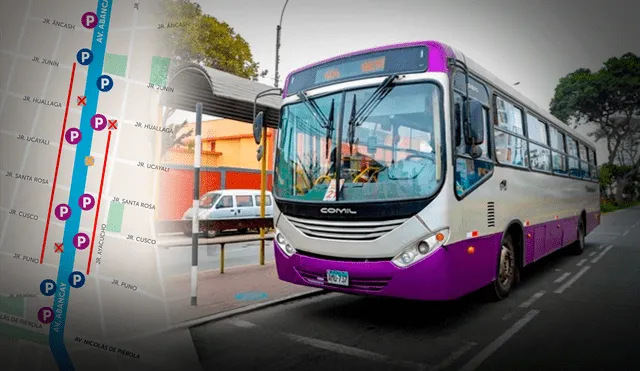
(82, 100)
(113, 124)
(58, 247)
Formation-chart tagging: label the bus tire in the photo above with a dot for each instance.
(577, 248)
(507, 271)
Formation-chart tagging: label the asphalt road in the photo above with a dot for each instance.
(568, 313)
(175, 258)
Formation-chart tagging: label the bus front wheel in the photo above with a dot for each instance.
(507, 271)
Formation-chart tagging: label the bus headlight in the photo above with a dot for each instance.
(284, 244)
(422, 249)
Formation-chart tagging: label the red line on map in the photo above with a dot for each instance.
(95, 220)
(55, 176)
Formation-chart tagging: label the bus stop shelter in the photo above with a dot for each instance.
(221, 94)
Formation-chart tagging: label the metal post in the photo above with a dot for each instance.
(195, 225)
(279, 27)
(160, 117)
(263, 186)
(263, 168)
(221, 258)
(277, 53)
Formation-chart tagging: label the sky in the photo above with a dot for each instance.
(531, 42)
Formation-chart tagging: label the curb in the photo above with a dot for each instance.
(177, 277)
(186, 325)
(249, 308)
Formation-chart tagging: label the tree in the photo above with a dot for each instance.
(609, 98)
(200, 38)
(172, 139)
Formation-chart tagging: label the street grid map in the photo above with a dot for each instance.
(80, 279)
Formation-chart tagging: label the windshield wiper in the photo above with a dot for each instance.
(313, 108)
(329, 130)
(325, 122)
(352, 127)
(357, 118)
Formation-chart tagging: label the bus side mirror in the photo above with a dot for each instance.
(475, 126)
(257, 127)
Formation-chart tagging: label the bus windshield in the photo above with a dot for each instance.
(388, 145)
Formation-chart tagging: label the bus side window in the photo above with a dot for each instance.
(470, 171)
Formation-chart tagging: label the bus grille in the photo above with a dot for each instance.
(361, 284)
(342, 230)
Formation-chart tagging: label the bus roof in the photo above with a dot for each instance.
(474, 67)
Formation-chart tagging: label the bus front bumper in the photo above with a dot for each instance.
(447, 274)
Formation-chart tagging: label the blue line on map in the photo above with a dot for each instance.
(78, 182)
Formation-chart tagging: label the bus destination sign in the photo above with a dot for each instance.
(385, 62)
(350, 69)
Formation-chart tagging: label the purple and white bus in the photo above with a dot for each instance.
(410, 171)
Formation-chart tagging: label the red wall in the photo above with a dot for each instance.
(176, 188)
(245, 180)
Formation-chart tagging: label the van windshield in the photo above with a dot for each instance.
(207, 200)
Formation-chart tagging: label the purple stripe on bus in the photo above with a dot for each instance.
(447, 274)
(438, 54)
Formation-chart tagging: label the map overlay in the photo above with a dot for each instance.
(81, 284)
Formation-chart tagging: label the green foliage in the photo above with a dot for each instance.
(608, 206)
(610, 172)
(201, 38)
(609, 98)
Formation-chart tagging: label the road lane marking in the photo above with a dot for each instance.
(573, 279)
(592, 254)
(614, 233)
(625, 233)
(354, 352)
(453, 357)
(597, 258)
(562, 278)
(581, 262)
(532, 299)
(600, 247)
(497, 343)
(242, 323)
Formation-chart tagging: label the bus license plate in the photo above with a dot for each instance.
(337, 278)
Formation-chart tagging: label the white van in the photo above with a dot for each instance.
(230, 204)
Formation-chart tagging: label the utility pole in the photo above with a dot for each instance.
(278, 28)
(195, 222)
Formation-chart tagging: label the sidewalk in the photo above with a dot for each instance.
(236, 288)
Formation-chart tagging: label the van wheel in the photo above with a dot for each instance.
(242, 230)
(507, 273)
(212, 234)
(577, 248)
